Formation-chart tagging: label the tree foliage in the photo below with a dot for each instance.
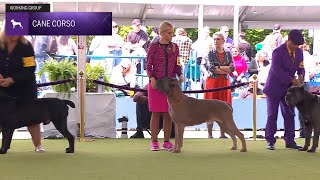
(253, 36)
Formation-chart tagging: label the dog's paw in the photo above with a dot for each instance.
(303, 149)
(233, 148)
(312, 150)
(243, 150)
(176, 151)
(68, 150)
(2, 151)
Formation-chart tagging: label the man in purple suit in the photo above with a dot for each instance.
(287, 59)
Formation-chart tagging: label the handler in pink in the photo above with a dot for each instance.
(162, 61)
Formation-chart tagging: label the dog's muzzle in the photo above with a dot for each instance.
(288, 100)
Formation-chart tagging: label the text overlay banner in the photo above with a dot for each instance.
(59, 23)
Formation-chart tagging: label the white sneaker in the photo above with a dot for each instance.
(40, 149)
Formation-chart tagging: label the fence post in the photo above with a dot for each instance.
(255, 86)
(81, 102)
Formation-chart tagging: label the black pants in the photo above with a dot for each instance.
(144, 117)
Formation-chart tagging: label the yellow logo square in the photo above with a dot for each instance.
(28, 61)
(178, 61)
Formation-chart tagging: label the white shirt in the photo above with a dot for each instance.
(118, 79)
(69, 49)
(309, 65)
(263, 73)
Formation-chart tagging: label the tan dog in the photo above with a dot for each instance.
(188, 111)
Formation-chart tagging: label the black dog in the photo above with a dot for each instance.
(43, 110)
(309, 109)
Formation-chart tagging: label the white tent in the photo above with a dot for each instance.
(251, 13)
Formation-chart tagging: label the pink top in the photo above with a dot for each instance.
(240, 64)
(156, 61)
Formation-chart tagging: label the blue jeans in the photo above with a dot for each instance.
(116, 61)
(40, 59)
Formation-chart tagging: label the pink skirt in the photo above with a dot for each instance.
(157, 100)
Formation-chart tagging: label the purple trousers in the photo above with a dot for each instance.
(288, 117)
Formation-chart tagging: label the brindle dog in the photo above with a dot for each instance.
(188, 111)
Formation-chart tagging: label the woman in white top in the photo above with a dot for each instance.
(124, 74)
(260, 65)
(67, 46)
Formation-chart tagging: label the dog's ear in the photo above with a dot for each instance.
(173, 82)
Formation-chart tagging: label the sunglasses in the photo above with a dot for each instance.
(114, 26)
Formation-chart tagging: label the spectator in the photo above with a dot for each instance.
(162, 61)
(245, 47)
(67, 46)
(203, 44)
(184, 43)
(142, 112)
(155, 34)
(260, 66)
(114, 44)
(144, 28)
(229, 42)
(260, 60)
(124, 75)
(277, 33)
(41, 46)
(217, 66)
(269, 44)
(138, 38)
(202, 47)
(241, 67)
(247, 92)
(287, 59)
(17, 78)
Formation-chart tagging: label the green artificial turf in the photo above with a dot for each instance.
(120, 159)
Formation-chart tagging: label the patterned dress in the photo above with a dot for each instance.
(162, 61)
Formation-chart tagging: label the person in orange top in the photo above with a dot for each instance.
(216, 68)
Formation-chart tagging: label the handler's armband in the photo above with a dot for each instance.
(301, 65)
(28, 61)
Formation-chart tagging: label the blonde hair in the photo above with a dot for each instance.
(165, 25)
(3, 36)
(181, 32)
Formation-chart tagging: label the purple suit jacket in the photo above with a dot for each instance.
(282, 71)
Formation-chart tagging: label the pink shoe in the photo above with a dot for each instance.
(167, 146)
(154, 146)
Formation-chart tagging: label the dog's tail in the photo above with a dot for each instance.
(70, 103)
